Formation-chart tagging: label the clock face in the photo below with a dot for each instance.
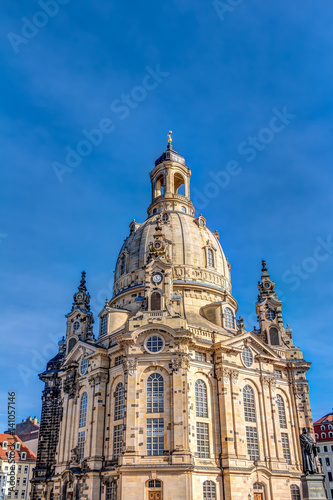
(79, 296)
(76, 325)
(157, 278)
(267, 285)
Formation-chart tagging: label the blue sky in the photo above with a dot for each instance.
(225, 76)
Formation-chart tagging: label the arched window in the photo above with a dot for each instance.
(179, 186)
(316, 436)
(111, 491)
(210, 257)
(201, 399)
(119, 402)
(330, 434)
(209, 490)
(251, 430)
(229, 320)
(155, 393)
(281, 412)
(274, 336)
(330, 426)
(249, 404)
(295, 494)
(83, 410)
(155, 301)
(322, 427)
(323, 435)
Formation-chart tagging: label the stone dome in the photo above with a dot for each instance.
(189, 244)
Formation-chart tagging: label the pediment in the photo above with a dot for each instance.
(80, 349)
(250, 339)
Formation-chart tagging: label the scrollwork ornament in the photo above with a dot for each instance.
(129, 366)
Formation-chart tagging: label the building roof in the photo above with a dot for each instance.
(15, 439)
(27, 429)
(327, 418)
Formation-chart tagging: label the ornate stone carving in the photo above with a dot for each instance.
(129, 366)
(175, 364)
(229, 373)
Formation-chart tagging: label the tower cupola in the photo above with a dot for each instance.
(170, 181)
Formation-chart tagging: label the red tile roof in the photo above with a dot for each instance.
(328, 417)
(15, 439)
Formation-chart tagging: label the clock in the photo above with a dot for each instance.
(76, 325)
(267, 285)
(157, 278)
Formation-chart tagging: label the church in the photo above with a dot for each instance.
(170, 397)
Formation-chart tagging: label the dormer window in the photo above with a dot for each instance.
(123, 264)
(229, 319)
(23, 455)
(4, 445)
(17, 446)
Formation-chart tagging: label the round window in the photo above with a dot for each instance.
(83, 366)
(247, 357)
(154, 343)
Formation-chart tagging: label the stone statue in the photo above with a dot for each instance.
(309, 453)
(75, 455)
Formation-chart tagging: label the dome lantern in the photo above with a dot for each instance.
(170, 180)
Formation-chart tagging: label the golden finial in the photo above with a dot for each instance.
(169, 137)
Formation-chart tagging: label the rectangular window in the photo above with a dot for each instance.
(331, 447)
(104, 324)
(200, 356)
(202, 440)
(18, 481)
(23, 494)
(17, 446)
(119, 360)
(285, 446)
(19, 469)
(24, 482)
(327, 460)
(16, 494)
(155, 436)
(80, 445)
(252, 443)
(325, 449)
(277, 374)
(330, 476)
(117, 440)
(25, 469)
